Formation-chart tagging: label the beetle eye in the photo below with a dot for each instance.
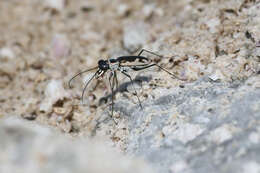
(103, 65)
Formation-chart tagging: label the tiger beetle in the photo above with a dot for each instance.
(114, 65)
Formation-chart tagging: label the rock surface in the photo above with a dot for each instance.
(27, 147)
(204, 127)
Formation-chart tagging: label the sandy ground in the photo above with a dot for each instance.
(44, 43)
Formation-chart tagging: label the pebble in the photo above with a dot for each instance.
(213, 24)
(184, 132)
(221, 134)
(6, 52)
(53, 92)
(60, 46)
(123, 9)
(135, 36)
(55, 4)
(148, 10)
(216, 76)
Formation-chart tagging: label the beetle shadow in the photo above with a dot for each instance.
(123, 87)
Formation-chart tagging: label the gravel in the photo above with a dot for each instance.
(206, 122)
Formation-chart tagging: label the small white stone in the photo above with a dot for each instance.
(135, 36)
(55, 4)
(222, 134)
(217, 76)
(60, 46)
(6, 53)
(55, 89)
(186, 132)
(122, 9)
(53, 92)
(212, 24)
(148, 9)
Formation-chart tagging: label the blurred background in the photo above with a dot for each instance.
(44, 43)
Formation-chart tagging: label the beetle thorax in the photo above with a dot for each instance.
(114, 66)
